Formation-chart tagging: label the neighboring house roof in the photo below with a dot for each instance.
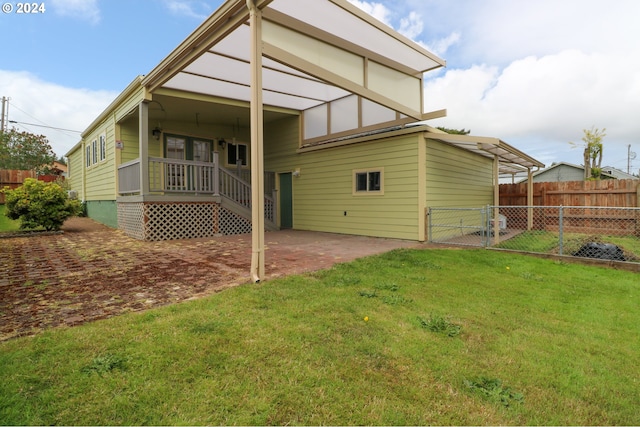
(562, 171)
(59, 167)
(617, 173)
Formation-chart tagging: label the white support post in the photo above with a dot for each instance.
(529, 199)
(496, 199)
(257, 146)
(143, 126)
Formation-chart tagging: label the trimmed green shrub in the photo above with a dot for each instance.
(40, 204)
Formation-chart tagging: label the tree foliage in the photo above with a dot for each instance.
(40, 204)
(454, 131)
(593, 150)
(25, 151)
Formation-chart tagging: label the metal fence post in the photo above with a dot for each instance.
(560, 231)
(487, 227)
(429, 230)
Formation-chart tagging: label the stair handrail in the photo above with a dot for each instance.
(239, 191)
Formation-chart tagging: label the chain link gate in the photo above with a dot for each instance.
(458, 226)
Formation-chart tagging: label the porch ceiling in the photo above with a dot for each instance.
(306, 44)
(203, 112)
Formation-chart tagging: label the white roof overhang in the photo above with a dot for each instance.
(510, 158)
(314, 52)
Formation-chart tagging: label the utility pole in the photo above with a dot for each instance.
(5, 112)
(630, 156)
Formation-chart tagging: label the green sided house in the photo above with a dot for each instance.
(282, 114)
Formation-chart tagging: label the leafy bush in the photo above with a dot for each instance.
(40, 204)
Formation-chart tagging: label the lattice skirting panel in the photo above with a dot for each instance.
(170, 221)
(231, 223)
(131, 219)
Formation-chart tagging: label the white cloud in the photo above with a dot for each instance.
(43, 103)
(377, 10)
(411, 26)
(499, 31)
(546, 100)
(442, 45)
(87, 10)
(189, 8)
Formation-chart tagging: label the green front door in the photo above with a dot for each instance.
(286, 201)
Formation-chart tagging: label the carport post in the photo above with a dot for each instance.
(496, 199)
(529, 199)
(257, 145)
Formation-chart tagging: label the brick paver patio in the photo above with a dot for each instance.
(92, 272)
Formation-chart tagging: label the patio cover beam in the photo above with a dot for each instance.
(231, 15)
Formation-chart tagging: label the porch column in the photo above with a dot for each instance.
(143, 149)
(257, 145)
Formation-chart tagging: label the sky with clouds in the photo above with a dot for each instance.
(534, 73)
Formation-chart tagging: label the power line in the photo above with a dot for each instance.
(34, 118)
(43, 126)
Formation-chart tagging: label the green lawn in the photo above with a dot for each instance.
(450, 337)
(7, 224)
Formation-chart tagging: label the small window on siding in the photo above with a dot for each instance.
(94, 151)
(88, 156)
(103, 147)
(368, 181)
(237, 153)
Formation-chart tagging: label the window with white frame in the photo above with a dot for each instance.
(237, 154)
(94, 151)
(368, 181)
(103, 147)
(88, 156)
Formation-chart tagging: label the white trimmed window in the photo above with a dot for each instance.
(94, 151)
(237, 154)
(368, 181)
(103, 147)
(88, 156)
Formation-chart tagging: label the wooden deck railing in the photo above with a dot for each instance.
(129, 177)
(188, 177)
(183, 176)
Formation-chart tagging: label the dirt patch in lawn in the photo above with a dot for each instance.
(92, 272)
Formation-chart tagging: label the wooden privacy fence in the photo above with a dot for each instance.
(576, 198)
(13, 179)
(623, 193)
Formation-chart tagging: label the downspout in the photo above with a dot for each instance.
(257, 146)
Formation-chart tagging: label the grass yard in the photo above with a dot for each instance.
(410, 337)
(7, 224)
